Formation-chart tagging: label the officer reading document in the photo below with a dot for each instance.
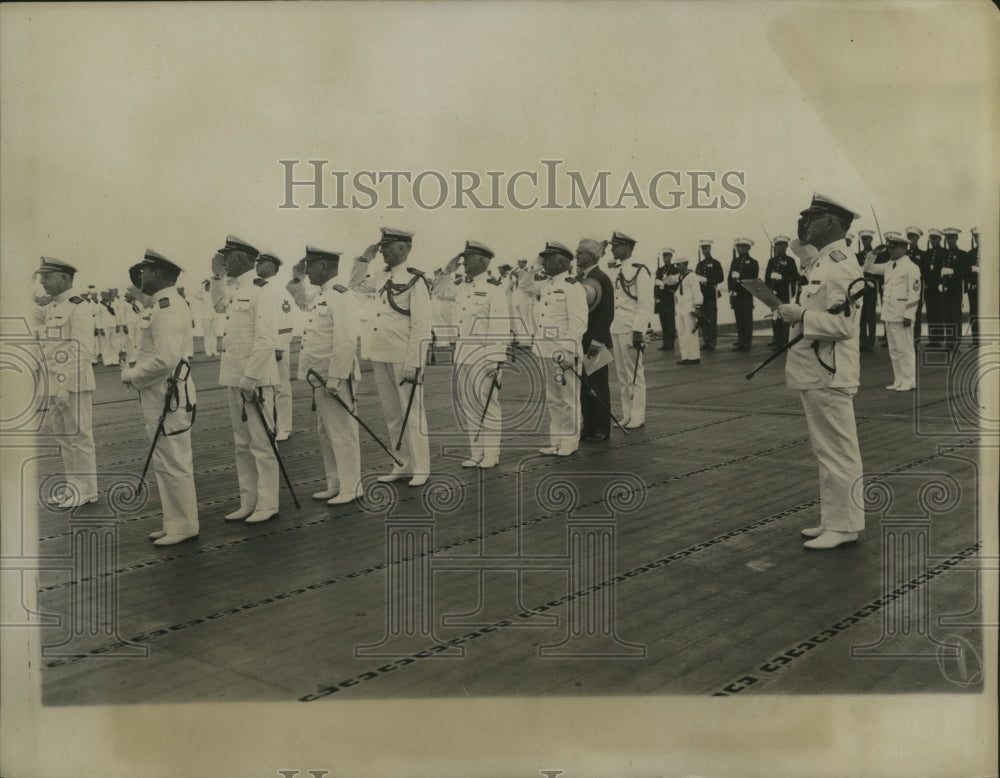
(824, 366)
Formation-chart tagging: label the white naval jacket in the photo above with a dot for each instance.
(560, 315)
(483, 318)
(901, 292)
(633, 299)
(330, 337)
(396, 338)
(835, 335)
(251, 332)
(67, 340)
(166, 337)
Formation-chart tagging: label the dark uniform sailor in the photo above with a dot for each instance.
(166, 338)
(824, 368)
(781, 277)
(66, 324)
(744, 268)
(710, 269)
(664, 300)
(248, 368)
(400, 332)
(632, 311)
(954, 271)
(869, 300)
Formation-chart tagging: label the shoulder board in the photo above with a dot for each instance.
(260, 282)
(570, 280)
(76, 300)
(321, 302)
(416, 272)
(837, 255)
(479, 294)
(494, 281)
(340, 288)
(640, 266)
(164, 302)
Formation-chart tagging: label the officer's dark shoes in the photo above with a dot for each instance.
(689, 362)
(173, 540)
(597, 437)
(830, 540)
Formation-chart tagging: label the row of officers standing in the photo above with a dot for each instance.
(581, 323)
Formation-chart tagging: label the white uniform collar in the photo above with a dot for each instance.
(245, 278)
(63, 296)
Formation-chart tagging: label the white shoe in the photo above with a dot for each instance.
(172, 540)
(393, 476)
(342, 499)
(157, 535)
(549, 451)
(626, 422)
(565, 452)
(830, 539)
(326, 494)
(259, 516)
(471, 462)
(812, 532)
(892, 387)
(905, 388)
(634, 425)
(486, 464)
(418, 480)
(76, 502)
(239, 514)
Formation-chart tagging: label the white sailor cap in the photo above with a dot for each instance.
(896, 237)
(951, 231)
(666, 250)
(704, 242)
(866, 233)
(781, 239)
(743, 242)
(914, 231)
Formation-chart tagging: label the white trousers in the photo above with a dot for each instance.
(687, 338)
(901, 353)
(834, 437)
(415, 450)
(339, 442)
(633, 398)
(73, 426)
(208, 336)
(172, 461)
(563, 404)
(473, 384)
(283, 396)
(256, 465)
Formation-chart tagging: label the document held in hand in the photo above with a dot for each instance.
(604, 357)
(757, 288)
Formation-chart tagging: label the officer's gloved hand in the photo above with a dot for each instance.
(333, 386)
(790, 312)
(410, 375)
(594, 349)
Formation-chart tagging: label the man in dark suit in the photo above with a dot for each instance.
(954, 271)
(601, 311)
(781, 277)
(711, 270)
